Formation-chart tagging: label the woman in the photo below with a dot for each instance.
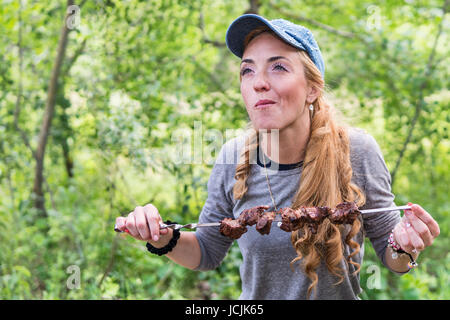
(318, 162)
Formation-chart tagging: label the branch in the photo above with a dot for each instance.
(254, 7)
(111, 261)
(213, 78)
(205, 39)
(50, 192)
(344, 34)
(82, 3)
(65, 70)
(215, 43)
(420, 101)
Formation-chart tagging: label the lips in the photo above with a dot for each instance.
(264, 102)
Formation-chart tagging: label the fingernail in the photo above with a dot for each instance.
(408, 225)
(155, 237)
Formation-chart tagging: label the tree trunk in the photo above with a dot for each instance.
(67, 158)
(39, 201)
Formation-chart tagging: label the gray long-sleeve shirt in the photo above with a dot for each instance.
(265, 270)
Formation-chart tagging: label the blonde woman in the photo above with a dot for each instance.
(315, 162)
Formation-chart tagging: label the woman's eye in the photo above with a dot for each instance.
(244, 71)
(279, 67)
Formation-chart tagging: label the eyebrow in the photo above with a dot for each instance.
(268, 60)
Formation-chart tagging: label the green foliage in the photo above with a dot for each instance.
(138, 73)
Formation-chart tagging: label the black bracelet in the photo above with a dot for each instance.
(412, 263)
(172, 243)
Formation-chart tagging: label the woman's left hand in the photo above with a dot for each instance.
(417, 230)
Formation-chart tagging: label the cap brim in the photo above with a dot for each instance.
(241, 27)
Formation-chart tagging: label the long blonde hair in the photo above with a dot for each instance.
(325, 180)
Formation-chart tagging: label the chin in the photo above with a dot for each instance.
(267, 127)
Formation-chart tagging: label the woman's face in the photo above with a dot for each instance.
(273, 84)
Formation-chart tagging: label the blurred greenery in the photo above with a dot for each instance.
(135, 73)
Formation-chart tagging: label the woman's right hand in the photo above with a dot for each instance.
(143, 224)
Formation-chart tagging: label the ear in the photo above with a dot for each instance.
(312, 95)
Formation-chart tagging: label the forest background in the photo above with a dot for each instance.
(102, 101)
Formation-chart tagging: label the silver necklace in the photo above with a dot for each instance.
(268, 183)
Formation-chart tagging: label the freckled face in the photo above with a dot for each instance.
(271, 71)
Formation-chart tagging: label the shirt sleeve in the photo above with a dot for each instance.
(219, 205)
(373, 175)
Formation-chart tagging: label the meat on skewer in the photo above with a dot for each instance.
(265, 222)
(314, 216)
(291, 220)
(232, 228)
(345, 212)
(235, 228)
(249, 217)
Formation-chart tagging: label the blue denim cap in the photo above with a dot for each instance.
(293, 34)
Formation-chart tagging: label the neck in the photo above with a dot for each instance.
(291, 144)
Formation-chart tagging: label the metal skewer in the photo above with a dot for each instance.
(385, 209)
(176, 226)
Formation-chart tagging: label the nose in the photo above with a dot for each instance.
(261, 83)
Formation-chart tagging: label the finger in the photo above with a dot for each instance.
(423, 215)
(414, 238)
(402, 238)
(120, 223)
(153, 219)
(141, 223)
(163, 231)
(420, 227)
(131, 225)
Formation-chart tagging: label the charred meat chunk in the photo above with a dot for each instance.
(232, 228)
(265, 222)
(313, 216)
(249, 217)
(291, 219)
(345, 212)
